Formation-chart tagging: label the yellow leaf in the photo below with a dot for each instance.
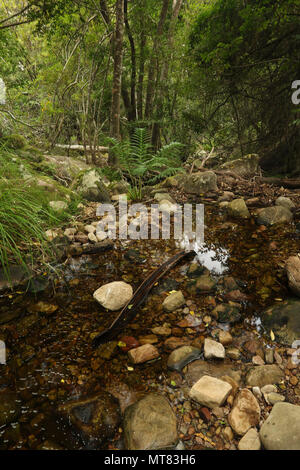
(121, 344)
(172, 291)
(192, 312)
(130, 368)
(272, 336)
(130, 306)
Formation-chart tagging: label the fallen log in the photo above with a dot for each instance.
(130, 309)
(88, 148)
(284, 182)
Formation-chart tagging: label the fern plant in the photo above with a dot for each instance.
(140, 164)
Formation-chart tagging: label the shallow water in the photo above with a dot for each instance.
(50, 358)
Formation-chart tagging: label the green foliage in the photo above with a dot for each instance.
(140, 164)
(15, 141)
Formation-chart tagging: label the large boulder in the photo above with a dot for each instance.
(281, 430)
(245, 413)
(293, 274)
(150, 424)
(95, 418)
(283, 320)
(113, 295)
(92, 187)
(245, 166)
(200, 183)
(274, 215)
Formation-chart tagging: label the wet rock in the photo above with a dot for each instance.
(285, 202)
(281, 430)
(150, 424)
(226, 313)
(269, 356)
(198, 369)
(94, 418)
(258, 361)
(200, 183)
(43, 307)
(227, 196)
(180, 357)
(130, 343)
(162, 330)
(274, 215)
(173, 301)
(174, 342)
(114, 295)
(245, 413)
(274, 397)
(205, 284)
(210, 392)
(124, 394)
(58, 206)
(195, 270)
(143, 353)
(148, 339)
(10, 408)
(250, 441)
(293, 274)
(133, 256)
(225, 338)
(107, 350)
(213, 350)
(284, 321)
(238, 208)
(233, 353)
(264, 375)
(18, 275)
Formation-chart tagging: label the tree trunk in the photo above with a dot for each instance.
(117, 76)
(133, 110)
(141, 75)
(151, 71)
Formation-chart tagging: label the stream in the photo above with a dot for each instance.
(50, 358)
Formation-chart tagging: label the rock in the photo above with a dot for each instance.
(226, 313)
(269, 356)
(173, 342)
(274, 215)
(245, 166)
(257, 392)
(281, 430)
(95, 418)
(119, 187)
(258, 361)
(150, 424)
(284, 320)
(198, 369)
(233, 353)
(200, 183)
(51, 234)
(227, 196)
(274, 397)
(70, 233)
(238, 208)
(92, 238)
(250, 441)
(268, 389)
(58, 205)
(148, 339)
(205, 284)
(92, 187)
(285, 202)
(245, 412)
(43, 307)
(162, 330)
(90, 229)
(180, 357)
(163, 197)
(225, 338)
(119, 197)
(143, 353)
(228, 434)
(213, 350)
(210, 392)
(293, 274)
(114, 295)
(173, 301)
(264, 375)
(195, 270)
(167, 206)
(10, 408)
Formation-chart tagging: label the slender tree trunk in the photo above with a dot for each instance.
(117, 76)
(133, 109)
(141, 75)
(151, 71)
